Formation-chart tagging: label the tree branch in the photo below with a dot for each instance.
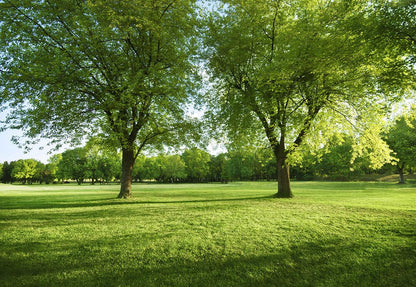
(148, 138)
(166, 9)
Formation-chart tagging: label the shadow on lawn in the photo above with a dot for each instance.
(334, 262)
(48, 202)
(307, 264)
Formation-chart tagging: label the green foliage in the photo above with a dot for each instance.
(330, 234)
(334, 161)
(26, 171)
(289, 68)
(54, 166)
(394, 32)
(250, 163)
(139, 169)
(162, 168)
(169, 168)
(73, 165)
(197, 164)
(218, 168)
(89, 162)
(7, 172)
(121, 71)
(109, 167)
(401, 138)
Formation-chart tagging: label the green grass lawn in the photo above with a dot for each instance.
(330, 234)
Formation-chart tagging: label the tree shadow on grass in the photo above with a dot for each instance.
(49, 202)
(318, 263)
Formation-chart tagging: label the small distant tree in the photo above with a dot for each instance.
(268, 164)
(175, 169)
(167, 168)
(158, 167)
(93, 156)
(197, 164)
(73, 165)
(218, 168)
(150, 169)
(53, 164)
(337, 160)
(401, 138)
(250, 168)
(7, 171)
(109, 167)
(26, 170)
(139, 169)
(235, 165)
(47, 173)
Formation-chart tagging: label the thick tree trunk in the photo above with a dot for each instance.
(126, 174)
(283, 175)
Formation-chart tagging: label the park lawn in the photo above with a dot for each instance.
(236, 234)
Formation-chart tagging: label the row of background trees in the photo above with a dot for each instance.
(335, 160)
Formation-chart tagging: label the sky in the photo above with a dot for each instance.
(11, 152)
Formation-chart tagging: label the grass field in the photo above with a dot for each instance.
(330, 234)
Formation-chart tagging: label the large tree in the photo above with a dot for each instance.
(289, 68)
(119, 69)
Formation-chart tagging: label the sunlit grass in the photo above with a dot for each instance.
(330, 234)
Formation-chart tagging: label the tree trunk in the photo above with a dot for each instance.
(401, 173)
(283, 175)
(126, 174)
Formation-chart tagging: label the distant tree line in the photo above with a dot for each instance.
(334, 161)
(26, 171)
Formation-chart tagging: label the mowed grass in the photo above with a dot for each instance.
(330, 234)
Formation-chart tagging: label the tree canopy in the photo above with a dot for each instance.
(289, 68)
(121, 70)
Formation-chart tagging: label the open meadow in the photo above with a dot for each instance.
(236, 234)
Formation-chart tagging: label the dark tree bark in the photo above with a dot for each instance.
(126, 175)
(283, 181)
(283, 174)
(400, 169)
